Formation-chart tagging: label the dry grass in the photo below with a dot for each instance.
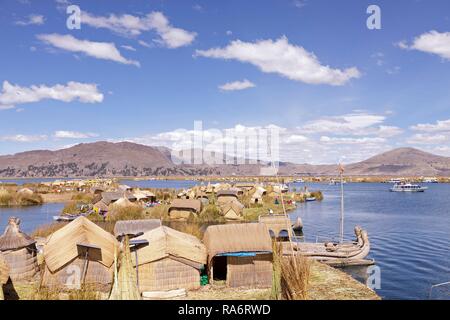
(126, 213)
(295, 274)
(46, 230)
(12, 198)
(221, 292)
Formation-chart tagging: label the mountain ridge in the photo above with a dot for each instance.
(111, 159)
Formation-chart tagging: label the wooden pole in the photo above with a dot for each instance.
(341, 233)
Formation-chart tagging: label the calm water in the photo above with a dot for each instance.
(409, 233)
(30, 217)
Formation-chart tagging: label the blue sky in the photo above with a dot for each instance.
(336, 89)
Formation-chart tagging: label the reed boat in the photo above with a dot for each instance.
(332, 253)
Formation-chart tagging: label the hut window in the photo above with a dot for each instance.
(220, 268)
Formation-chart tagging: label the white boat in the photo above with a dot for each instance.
(430, 180)
(394, 180)
(407, 187)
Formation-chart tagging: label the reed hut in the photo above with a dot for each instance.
(279, 225)
(240, 254)
(172, 260)
(224, 196)
(134, 227)
(4, 271)
(79, 253)
(232, 210)
(183, 208)
(20, 253)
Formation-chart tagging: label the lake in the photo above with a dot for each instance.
(409, 233)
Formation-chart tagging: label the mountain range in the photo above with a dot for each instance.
(107, 159)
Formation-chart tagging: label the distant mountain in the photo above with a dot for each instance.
(108, 159)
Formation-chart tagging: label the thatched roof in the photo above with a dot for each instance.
(25, 191)
(243, 237)
(108, 197)
(122, 203)
(61, 246)
(227, 193)
(135, 226)
(143, 194)
(192, 204)
(13, 238)
(234, 205)
(4, 271)
(165, 242)
(101, 206)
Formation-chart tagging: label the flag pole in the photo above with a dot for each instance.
(341, 235)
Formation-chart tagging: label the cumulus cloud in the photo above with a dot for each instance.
(12, 95)
(428, 139)
(283, 58)
(345, 124)
(99, 50)
(432, 42)
(62, 134)
(32, 19)
(440, 125)
(237, 85)
(23, 138)
(129, 25)
(365, 140)
(130, 48)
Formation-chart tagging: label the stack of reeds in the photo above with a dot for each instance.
(125, 283)
(295, 273)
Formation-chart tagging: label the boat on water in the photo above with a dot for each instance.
(336, 182)
(407, 187)
(394, 181)
(309, 199)
(430, 180)
(67, 217)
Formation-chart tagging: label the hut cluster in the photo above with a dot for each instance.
(82, 255)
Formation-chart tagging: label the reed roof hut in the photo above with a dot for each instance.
(172, 260)
(79, 253)
(183, 208)
(232, 210)
(224, 196)
(279, 225)
(20, 253)
(4, 271)
(133, 227)
(241, 254)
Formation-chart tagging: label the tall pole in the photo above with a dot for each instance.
(341, 171)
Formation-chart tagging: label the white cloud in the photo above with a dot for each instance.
(129, 48)
(99, 50)
(432, 42)
(352, 123)
(73, 135)
(23, 138)
(130, 25)
(294, 139)
(299, 3)
(428, 139)
(237, 85)
(12, 95)
(281, 57)
(365, 140)
(144, 44)
(32, 19)
(439, 126)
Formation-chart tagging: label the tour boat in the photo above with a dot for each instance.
(407, 187)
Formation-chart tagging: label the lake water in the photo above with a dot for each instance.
(409, 233)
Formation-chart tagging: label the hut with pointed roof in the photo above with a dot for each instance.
(182, 209)
(20, 253)
(171, 260)
(79, 253)
(224, 196)
(240, 254)
(232, 210)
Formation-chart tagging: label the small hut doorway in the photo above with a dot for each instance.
(220, 268)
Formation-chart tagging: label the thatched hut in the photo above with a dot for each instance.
(279, 225)
(232, 210)
(133, 227)
(224, 196)
(241, 254)
(184, 208)
(20, 253)
(79, 253)
(4, 271)
(172, 260)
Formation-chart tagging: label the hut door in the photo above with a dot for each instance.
(220, 268)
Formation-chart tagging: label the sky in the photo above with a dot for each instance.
(145, 71)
